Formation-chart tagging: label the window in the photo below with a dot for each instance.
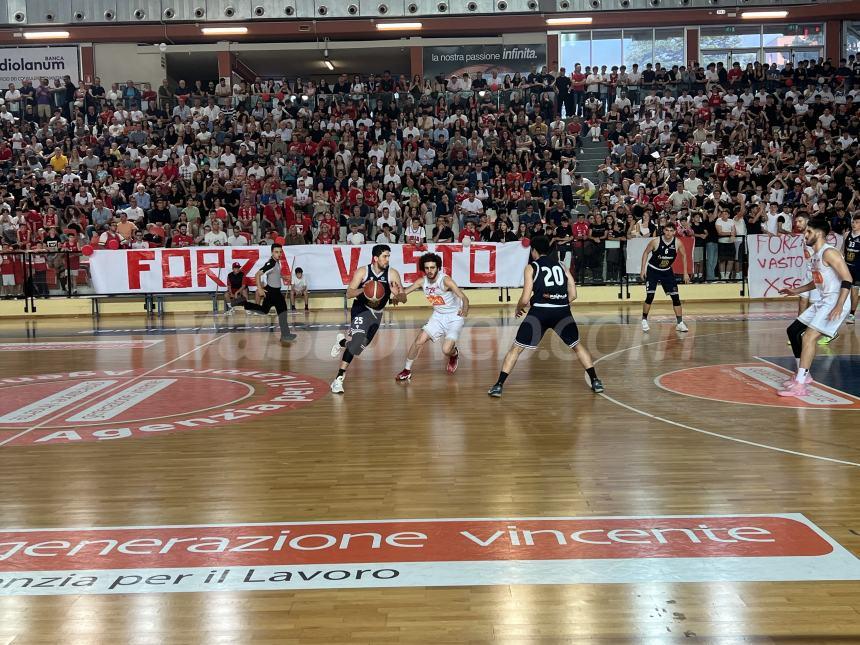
(852, 38)
(606, 48)
(575, 48)
(733, 37)
(776, 36)
(639, 47)
(669, 47)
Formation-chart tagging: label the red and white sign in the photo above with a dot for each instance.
(325, 267)
(100, 405)
(752, 384)
(440, 552)
(775, 262)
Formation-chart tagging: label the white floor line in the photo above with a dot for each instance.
(708, 432)
(119, 386)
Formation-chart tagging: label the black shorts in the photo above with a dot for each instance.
(726, 251)
(665, 279)
(539, 320)
(364, 325)
(855, 275)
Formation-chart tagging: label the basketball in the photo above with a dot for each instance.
(373, 290)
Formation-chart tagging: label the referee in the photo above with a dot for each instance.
(274, 298)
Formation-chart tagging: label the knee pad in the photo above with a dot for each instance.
(649, 298)
(676, 300)
(795, 330)
(355, 345)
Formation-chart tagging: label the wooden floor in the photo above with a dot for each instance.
(438, 447)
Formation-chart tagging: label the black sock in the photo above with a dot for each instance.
(679, 318)
(341, 372)
(342, 342)
(592, 373)
(852, 311)
(644, 316)
(502, 378)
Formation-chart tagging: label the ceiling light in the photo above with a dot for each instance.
(580, 20)
(394, 26)
(328, 64)
(45, 35)
(763, 15)
(224, 31)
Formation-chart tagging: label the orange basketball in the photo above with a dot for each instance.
(374, 290)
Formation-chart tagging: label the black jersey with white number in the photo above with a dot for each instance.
(852, 251)
(663, 257)
(361, 300)
(549, 288)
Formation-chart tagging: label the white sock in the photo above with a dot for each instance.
(408, 365)
(801, 375)
(797, 360)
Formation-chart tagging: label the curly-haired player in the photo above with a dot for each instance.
(450, 308)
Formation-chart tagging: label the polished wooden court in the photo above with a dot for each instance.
(438, 447)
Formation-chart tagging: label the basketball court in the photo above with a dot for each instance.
(188, 479)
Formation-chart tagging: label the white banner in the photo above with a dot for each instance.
(775, 262)
(201, 269)
(34, 63)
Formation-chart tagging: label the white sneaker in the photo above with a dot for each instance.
(336, 349)
(681, 326)
(645, 325)
(337, 385)
(229, 311)
(850, 319)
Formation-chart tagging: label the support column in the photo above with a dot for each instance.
(833, 41)
(552, 52)
(691, 44)
(225, 65)
(88, 64)
(416, 61)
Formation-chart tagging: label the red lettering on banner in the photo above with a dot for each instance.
(687, 249)
(411, 254)
(482, 278)
(182, 281)
(204, 268)
(136, 266)
(354, 257)
(250, 256)
(447, 251)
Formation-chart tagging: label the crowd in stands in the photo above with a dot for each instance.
(721, 153)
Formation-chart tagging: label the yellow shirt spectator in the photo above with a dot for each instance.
(59, 161)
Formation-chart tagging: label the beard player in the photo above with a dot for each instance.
(366, 314)
(832, 279)
(450, 308)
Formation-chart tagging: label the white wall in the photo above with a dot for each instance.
(120, 62)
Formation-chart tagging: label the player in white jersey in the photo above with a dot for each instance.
(832, 279)
(450, 308)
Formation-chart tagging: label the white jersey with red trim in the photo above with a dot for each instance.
(444, 300)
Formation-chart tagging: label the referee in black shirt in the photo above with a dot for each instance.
(274, 298)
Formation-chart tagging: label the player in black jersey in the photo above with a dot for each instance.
(366, 314)
(657, 261)
(852, 259)
(272, 288)
(548, 290)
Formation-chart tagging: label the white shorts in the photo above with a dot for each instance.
(8, 280)
(447, 325)
(812, 296)
(816, 317)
